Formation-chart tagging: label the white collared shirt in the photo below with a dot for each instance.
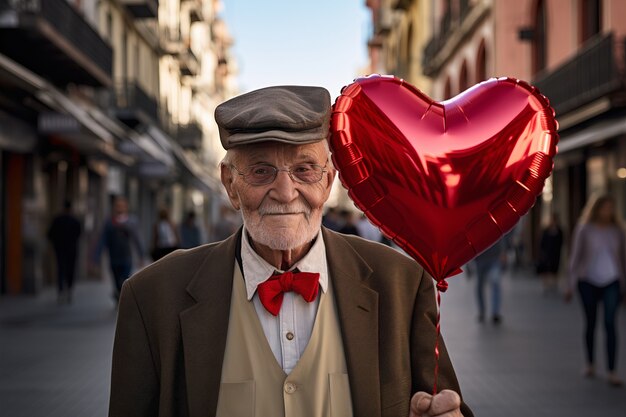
(288, 333)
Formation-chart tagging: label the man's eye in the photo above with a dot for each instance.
(261, 171)
(302, 169)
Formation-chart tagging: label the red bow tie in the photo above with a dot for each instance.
(272, 291)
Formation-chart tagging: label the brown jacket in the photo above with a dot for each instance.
(173, 321)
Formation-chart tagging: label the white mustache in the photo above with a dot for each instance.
(293, 208)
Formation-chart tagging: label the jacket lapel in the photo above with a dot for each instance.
(204, 327)
(357, 304)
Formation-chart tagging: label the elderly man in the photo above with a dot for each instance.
(284, 318)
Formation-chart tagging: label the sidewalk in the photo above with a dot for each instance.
(55, 360)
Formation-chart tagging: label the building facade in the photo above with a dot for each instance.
(85, 115)
(578, 59)
(572, 50)
(397, 38)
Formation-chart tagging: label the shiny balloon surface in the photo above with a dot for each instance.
(443, 180)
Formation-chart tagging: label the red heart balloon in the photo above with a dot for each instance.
(444, 180)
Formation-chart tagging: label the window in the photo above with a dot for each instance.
(109, 34)
(481, 63)
(136, 55)
(539, 41)
(409, 44)
(124, 54)
(590, 18)
(463, 78)
(447, 89)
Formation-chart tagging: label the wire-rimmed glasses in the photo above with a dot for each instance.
(263, 174)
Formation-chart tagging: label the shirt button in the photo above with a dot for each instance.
(289, 336)
(290, 388)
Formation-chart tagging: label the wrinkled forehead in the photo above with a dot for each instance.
(283, 153)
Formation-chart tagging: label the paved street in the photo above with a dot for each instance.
(55, 360)
(531, 364)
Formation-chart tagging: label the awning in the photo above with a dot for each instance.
(73, 122)
(15, 135)
(191, 167)
(598, 132)
(85, 137)
(199, 177)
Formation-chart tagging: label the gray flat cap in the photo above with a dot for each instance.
(289, 114)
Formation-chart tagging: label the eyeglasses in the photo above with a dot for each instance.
(263, 174)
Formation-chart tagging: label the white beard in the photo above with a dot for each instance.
(283, 238)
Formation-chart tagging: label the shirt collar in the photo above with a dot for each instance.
(257, 270)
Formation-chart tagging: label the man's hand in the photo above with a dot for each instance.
(445, 404)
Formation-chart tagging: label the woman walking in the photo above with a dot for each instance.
(598, 269)
(164, 236)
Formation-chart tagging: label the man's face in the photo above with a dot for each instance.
(120, 206)
(284, 214)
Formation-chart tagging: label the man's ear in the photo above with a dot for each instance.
(330, 179)
(227, 177)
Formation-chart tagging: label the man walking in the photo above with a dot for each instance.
(119, 236)
(64, 233)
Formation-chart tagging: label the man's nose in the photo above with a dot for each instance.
(284, 188)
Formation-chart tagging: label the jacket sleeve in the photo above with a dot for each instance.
(423, 339)
(134, 380)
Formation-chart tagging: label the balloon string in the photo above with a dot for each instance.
(442, 286)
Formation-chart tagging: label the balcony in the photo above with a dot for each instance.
(593, 73)
(142, 9)
(132, 105)
(401, 4)
(189, 136)
(189, 65)
(454, 27)
(383, 21)
(195, 15)
(50, 38)
(195, 10)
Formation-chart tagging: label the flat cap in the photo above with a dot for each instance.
(289, 114)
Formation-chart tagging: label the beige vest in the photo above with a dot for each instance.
(254, 384)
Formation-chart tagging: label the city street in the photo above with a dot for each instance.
(54, 360)
(132, 128)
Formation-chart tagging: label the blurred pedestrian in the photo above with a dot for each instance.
(597, 267)
(489, 269)
(164, 236)
(119, 235)
(515, 241)
(349, 225)
(64, 233)
(331, 219)
(227, 224)
(367, 230)
(189, 232)
(549, 257)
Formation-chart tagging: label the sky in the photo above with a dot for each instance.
(298, 42)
